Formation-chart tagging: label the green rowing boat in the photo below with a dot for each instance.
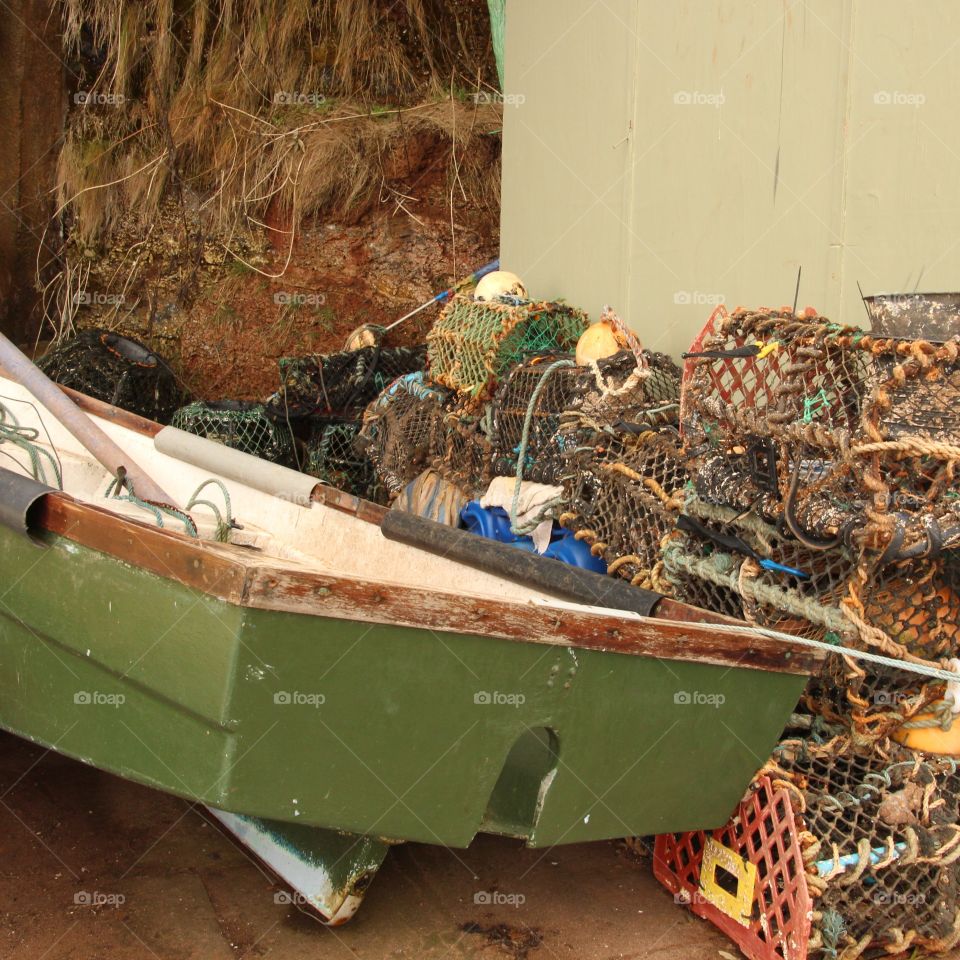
(329, 692)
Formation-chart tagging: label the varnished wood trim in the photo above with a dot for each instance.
(106, 411)
(242, 578)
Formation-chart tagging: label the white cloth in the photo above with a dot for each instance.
(534, 499)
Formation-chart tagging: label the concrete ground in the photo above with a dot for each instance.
(94, 867)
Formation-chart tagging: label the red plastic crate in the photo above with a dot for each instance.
(760, 900)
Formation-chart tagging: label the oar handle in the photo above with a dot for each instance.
(440, 297)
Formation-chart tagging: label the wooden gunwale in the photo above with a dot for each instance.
(235, 575)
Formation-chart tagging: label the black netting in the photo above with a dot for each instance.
(881, 832)
(116, 370)
(340, 383)
(399, 429)
(545, 393)
(334, 459)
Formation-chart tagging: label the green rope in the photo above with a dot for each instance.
(157, 509)
(531, 525)
(25, 438)
(832, 927)
(225, 521)
(721, 569)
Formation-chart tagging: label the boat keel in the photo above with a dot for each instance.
(328, 871)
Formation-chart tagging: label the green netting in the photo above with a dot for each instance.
(474, 344)
(238, 425)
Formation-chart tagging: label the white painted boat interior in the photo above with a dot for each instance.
(315, 537)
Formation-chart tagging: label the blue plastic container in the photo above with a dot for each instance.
(494, 524)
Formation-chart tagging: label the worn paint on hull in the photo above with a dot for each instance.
(375, 729)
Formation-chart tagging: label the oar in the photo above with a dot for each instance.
(369, 333)
(101, 447)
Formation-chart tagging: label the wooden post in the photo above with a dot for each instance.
(32, 105)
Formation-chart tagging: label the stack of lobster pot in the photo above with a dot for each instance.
(824, 503)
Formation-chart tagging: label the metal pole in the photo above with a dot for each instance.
(93, 439)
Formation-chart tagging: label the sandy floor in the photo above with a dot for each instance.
(169, 885)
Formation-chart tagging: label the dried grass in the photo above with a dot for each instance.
(247, 110)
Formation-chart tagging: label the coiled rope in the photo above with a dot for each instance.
(26, 439)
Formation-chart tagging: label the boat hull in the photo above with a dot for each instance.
(376, 729)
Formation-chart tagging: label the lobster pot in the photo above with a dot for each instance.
(333, 458)
(641, 388)
(462, 452)
(531, 391)
(398, 430)
(836, 851)
(238, 425)
(623, 496)
(340, 383)
(841, 440)
(802, 595)
(117, 370)
(473, 344)
(872, 702)
(844, 436)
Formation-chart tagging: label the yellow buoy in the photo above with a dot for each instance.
(945, 743)
(599, 340)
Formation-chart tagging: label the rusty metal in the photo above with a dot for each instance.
(915, 316)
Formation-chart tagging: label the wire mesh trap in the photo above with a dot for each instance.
(237, 424)
(117, 370)
(623, 493)
(462, 451)
(538, 389)
(340, 383)
(399, 428)
(623, 474)
(846, 437)
(473, 344)
(880, 845)
(861, 842)
(844, 443)
(332, 456)
(640, 388)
